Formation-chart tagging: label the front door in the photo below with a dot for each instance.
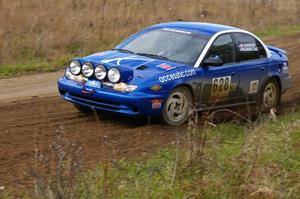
(220, 84)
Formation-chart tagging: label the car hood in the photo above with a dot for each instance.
(141, 67)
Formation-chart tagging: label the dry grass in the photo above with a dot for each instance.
(33, 29)
(255, 160)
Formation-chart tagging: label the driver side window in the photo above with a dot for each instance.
(224, 48)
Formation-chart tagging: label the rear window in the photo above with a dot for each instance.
(249, 48)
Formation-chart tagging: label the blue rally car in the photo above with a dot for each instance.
(165, 69)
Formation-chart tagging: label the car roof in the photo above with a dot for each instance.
(206, 28)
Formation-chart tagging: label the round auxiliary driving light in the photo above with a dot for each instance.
(87, 69)
(75, 67)
(100, 72)
(114, 75)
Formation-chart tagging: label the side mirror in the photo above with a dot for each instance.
(213, 60)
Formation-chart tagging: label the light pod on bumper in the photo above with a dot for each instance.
(121, 74)
(75, 67)
(87, 69)
(100, 72)
(114, 75)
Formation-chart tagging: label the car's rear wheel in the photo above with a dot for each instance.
(176, 107)
(269, 96)
(83, 109)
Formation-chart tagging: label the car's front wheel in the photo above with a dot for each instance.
(269, 95)
(176, 107)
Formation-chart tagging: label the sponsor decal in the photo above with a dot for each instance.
(93, 83)
(156, 104)
(285, 68)
(232, 87)
(253, 86)
(177, 75)
(220, 87)
(247, 47)
(176, 30)
(165, 66)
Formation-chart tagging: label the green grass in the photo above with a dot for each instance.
(30, 63)
(278, 31)
(238, 162)
(33, 65)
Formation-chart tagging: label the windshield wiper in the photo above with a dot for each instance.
(123, 50)
(142, 54)
(153, 55)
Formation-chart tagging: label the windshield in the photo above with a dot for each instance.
(172, 44)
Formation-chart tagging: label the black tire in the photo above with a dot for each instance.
(179, 94)
(269, 95)
(83, 109)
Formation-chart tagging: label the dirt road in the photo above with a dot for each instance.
(24, 87)
(31, 115)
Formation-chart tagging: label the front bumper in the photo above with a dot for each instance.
(132, 104)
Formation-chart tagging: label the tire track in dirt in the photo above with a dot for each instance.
(32, 115)
(34, 123)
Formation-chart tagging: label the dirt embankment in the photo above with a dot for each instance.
(31, 115)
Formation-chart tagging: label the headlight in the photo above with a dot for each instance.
(124, 87)
(87, 69)
(78, 78)
(114, 75)
(100, 72)
(75, 67)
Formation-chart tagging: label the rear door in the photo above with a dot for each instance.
(254, 65)
(220, 83)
